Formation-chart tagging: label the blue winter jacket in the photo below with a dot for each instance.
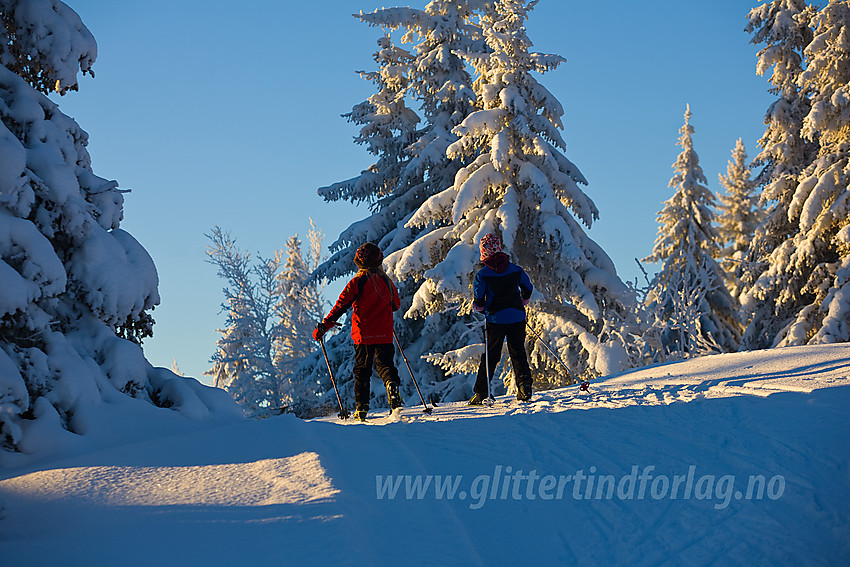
(499, 288)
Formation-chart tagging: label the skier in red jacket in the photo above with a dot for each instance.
(374, 298)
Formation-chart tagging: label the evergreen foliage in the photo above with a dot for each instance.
(738, 217)
(799, 292)
(782, 26)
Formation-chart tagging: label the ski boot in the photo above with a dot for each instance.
(393, 396)
(360, 412)
(476, 400)
(523, 392)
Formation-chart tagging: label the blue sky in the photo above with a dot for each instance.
(228, 114)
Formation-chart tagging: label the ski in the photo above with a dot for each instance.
(395, 416)
(517, 403)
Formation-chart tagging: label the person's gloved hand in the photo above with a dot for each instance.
(525, 301)
(322, 328)
(478, 308)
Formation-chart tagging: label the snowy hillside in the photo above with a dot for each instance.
(731, 459)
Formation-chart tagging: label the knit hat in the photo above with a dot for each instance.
(368, 256)
(490, 244)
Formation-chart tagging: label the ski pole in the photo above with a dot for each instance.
(490, 398)
(343, 413)
(427, 409)
(584, 385)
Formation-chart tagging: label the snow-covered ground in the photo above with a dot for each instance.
(731, 459)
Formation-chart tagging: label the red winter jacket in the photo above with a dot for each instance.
(374, 298)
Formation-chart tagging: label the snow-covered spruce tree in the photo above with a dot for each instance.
(687, 243)
(244, 363)
(77, 291)
(410, 155)
(388, 127)
(438, 81)
(302, 302)
(737, 218)
(271, 313)
(519, 185)
(442, 87)
(783, 27)
(672, 316)
(808, 276)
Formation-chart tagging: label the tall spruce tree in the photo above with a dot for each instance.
(431, 77)
(387, 128)
(442, 87)
(518, 184)
(738, 217)
(798, 289)
(690, 281)
(301, 304)
(809, 273)
(438, 81)
(783, 27)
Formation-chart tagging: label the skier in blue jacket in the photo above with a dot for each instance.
(501, 291)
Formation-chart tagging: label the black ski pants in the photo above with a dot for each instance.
(497, 333)
(365, 356)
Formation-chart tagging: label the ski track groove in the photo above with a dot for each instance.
(357, 531)
(602, 522)
(719, 555)
(424, 470)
